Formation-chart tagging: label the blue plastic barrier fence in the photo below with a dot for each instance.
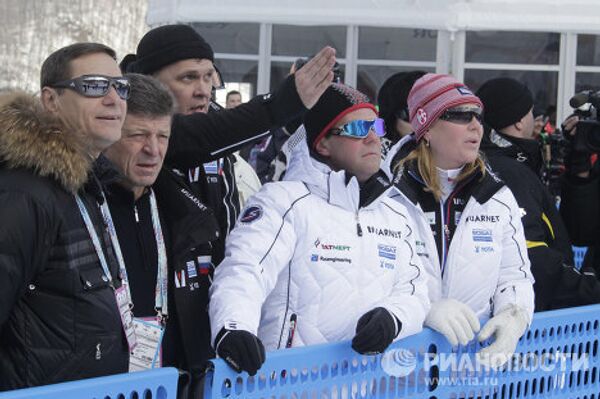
(557, 357)
(152, 384)
(578, 255)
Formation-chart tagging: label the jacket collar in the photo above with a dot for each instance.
(481, 188)
(33, 140)
(527, 151)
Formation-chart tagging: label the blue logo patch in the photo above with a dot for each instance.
(387, 251)
(482, 235)
(191, 269)
(314, 258)
(211, 168)
(251, 214)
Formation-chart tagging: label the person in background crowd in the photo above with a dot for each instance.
(468, 224)
(165, 235)
(247, 182)
(393, 108)
(62, 301)
(326, 253)
(233, 99)
(580, 201)
(516, 157)
(183, 61)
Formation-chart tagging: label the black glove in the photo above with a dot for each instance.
(241, 349)
(375, 331)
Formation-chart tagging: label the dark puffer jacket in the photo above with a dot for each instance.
(557, 283)
(58, 315)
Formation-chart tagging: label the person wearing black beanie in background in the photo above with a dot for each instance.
(393, 108)
(515, 156)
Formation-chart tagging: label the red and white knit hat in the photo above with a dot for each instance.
(433, 94)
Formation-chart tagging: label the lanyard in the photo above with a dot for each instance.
(160, 292)
(160, 296)
(94, 236)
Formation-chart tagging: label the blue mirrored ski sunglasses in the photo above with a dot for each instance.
(359, 129)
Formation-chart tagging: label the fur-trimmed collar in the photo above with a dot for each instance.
(31, 139)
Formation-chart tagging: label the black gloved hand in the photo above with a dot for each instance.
(242, 350)
(375, 331)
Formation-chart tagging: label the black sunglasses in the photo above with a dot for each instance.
(462, 116)
(96, 85)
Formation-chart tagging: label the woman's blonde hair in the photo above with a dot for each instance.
(423, 157)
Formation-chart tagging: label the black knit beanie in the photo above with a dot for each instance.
(505, 101)
(337, 101)
(392, 96)
(166, 45)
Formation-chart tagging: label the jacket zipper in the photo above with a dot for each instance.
(358, 228)
(445, 236)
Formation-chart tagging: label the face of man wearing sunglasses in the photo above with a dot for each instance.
(140, 153)
(98, 118)
(360, 157)
(191, 82)
(455, 136)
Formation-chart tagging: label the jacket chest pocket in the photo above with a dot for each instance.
(93, 279)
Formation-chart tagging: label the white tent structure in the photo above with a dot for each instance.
(452, 21)
(452, 15)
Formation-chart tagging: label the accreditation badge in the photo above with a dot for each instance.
(147, 353)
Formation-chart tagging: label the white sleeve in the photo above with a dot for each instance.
(257, 249)
(515, 281)
(409, 300)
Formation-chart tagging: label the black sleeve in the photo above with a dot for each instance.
(199, 138)
(23, 243)
(559, 285)
(580, 209)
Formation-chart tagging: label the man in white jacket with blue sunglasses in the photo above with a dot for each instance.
(324, 256)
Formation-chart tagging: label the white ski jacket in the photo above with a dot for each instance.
(487, 266)
(304, 262)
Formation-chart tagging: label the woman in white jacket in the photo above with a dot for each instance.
(324, 256)
(470, 236)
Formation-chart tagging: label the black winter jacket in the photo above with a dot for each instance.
(58, 315)
(580, 208)
(200, 138)
(189, 229)
(557, 283)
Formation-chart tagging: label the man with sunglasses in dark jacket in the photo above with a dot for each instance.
(64, 313)
(516, 156)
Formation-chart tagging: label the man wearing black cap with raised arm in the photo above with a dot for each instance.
(182, 60)
(515, 155)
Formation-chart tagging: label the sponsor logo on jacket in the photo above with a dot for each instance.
(483, 218)
(383, 232)
(332, 247)
(482, 235)
(387, 251)
(331, 259)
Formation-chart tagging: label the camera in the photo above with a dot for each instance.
(587, 136)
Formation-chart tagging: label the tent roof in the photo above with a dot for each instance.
(581, 16)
